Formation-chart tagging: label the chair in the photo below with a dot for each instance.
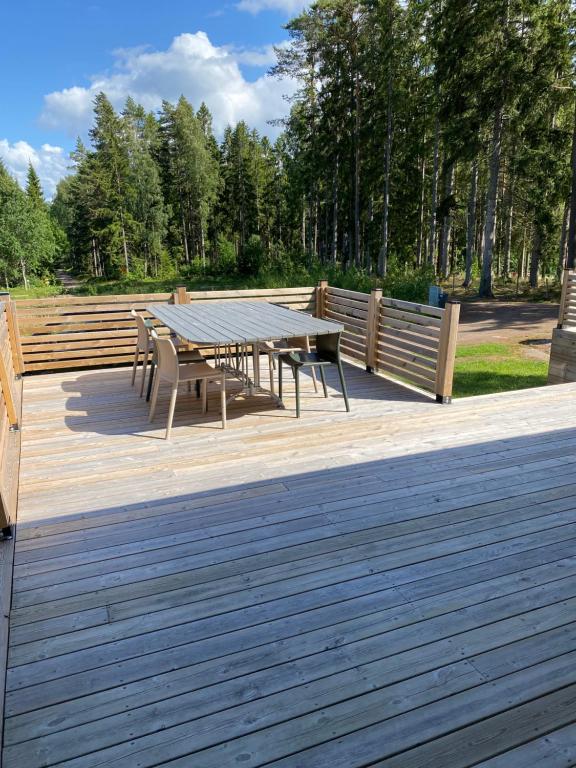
(327, 353)
(169, 369)
(143, 346)
(275, 348)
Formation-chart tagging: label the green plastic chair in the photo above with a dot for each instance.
(327, 353)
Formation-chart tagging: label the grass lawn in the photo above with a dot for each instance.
(485, 368)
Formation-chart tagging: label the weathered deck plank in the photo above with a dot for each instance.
(374, 588)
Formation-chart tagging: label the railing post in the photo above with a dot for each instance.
(6, 379)
(372, 322)
(447, 351)
(321, 290)
(564, 296)
(180, 295)
(15, 343)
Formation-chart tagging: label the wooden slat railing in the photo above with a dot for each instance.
(67, 332)
(410, 341)
(567, 313)
(10, 412)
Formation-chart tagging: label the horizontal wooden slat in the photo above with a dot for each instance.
(384, 350)
(361, 306)
(418, 381)
(346, 311)
(411, 317)
(420, 309)
(386, 360)
(58, 301)
(352, 322)
(403, 325)
(356, 295)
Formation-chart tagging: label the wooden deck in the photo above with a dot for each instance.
(394, 587)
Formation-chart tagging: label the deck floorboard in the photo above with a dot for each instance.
(391, 587)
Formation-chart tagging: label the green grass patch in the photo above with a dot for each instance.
(486, 368)
(480, 350)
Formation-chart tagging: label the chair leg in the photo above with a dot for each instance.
(135, 366)
(171, 410)
(271, 369)
(154, 398)
(343, 384)
(198, 383)
(323, 378)
(223, 398)
(297, 381)
(150, 380)
(280, 378)
(144, 367)
(204, 395)
(314, 379)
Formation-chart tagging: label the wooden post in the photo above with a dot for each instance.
(372, 322)
(321, 290)
(180, 295)
(6, 379)
(15, 343)
(564, 296)
(447, 351)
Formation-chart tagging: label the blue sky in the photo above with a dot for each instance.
(56, 55)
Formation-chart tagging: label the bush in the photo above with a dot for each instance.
(252, 257)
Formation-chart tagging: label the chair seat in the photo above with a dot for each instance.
(301, 358)
(193, 371)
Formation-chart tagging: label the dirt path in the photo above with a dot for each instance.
(509, 322)
(68, 281)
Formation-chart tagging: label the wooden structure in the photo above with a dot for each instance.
(410, 341)
(391, 587)
(413, 342)
(563, 351)
(91, 331)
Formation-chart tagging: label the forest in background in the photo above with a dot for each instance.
(427, 138)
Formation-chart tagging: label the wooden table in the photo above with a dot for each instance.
(231, 327)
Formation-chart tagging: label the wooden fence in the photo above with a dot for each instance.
(562, 368)
(413, 342)
(410, 341)
(10, 412)
(82, 331)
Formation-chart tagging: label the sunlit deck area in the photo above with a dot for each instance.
(394, 586)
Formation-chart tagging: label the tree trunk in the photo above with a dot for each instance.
(535, 256)
(24, 275)
(383, 255)
(571, 258)
(446, 224)
(509, 204)
(491, 199)
(434, 201)
(335, 212)
(185, 239)
(563, 241)
(420, 243)
(357, 170)
(471, 223)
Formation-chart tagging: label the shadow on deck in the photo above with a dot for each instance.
(391, 587)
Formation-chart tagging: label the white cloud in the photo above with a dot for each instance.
(50, 162)
(287, 6)
(192, 66)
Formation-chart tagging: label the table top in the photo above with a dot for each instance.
(238, 322)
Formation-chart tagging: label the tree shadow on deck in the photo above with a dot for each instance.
(104, 402)
(337, 615)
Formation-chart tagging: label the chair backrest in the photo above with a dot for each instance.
(143, 331)
(167, 358)
(328, 346)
